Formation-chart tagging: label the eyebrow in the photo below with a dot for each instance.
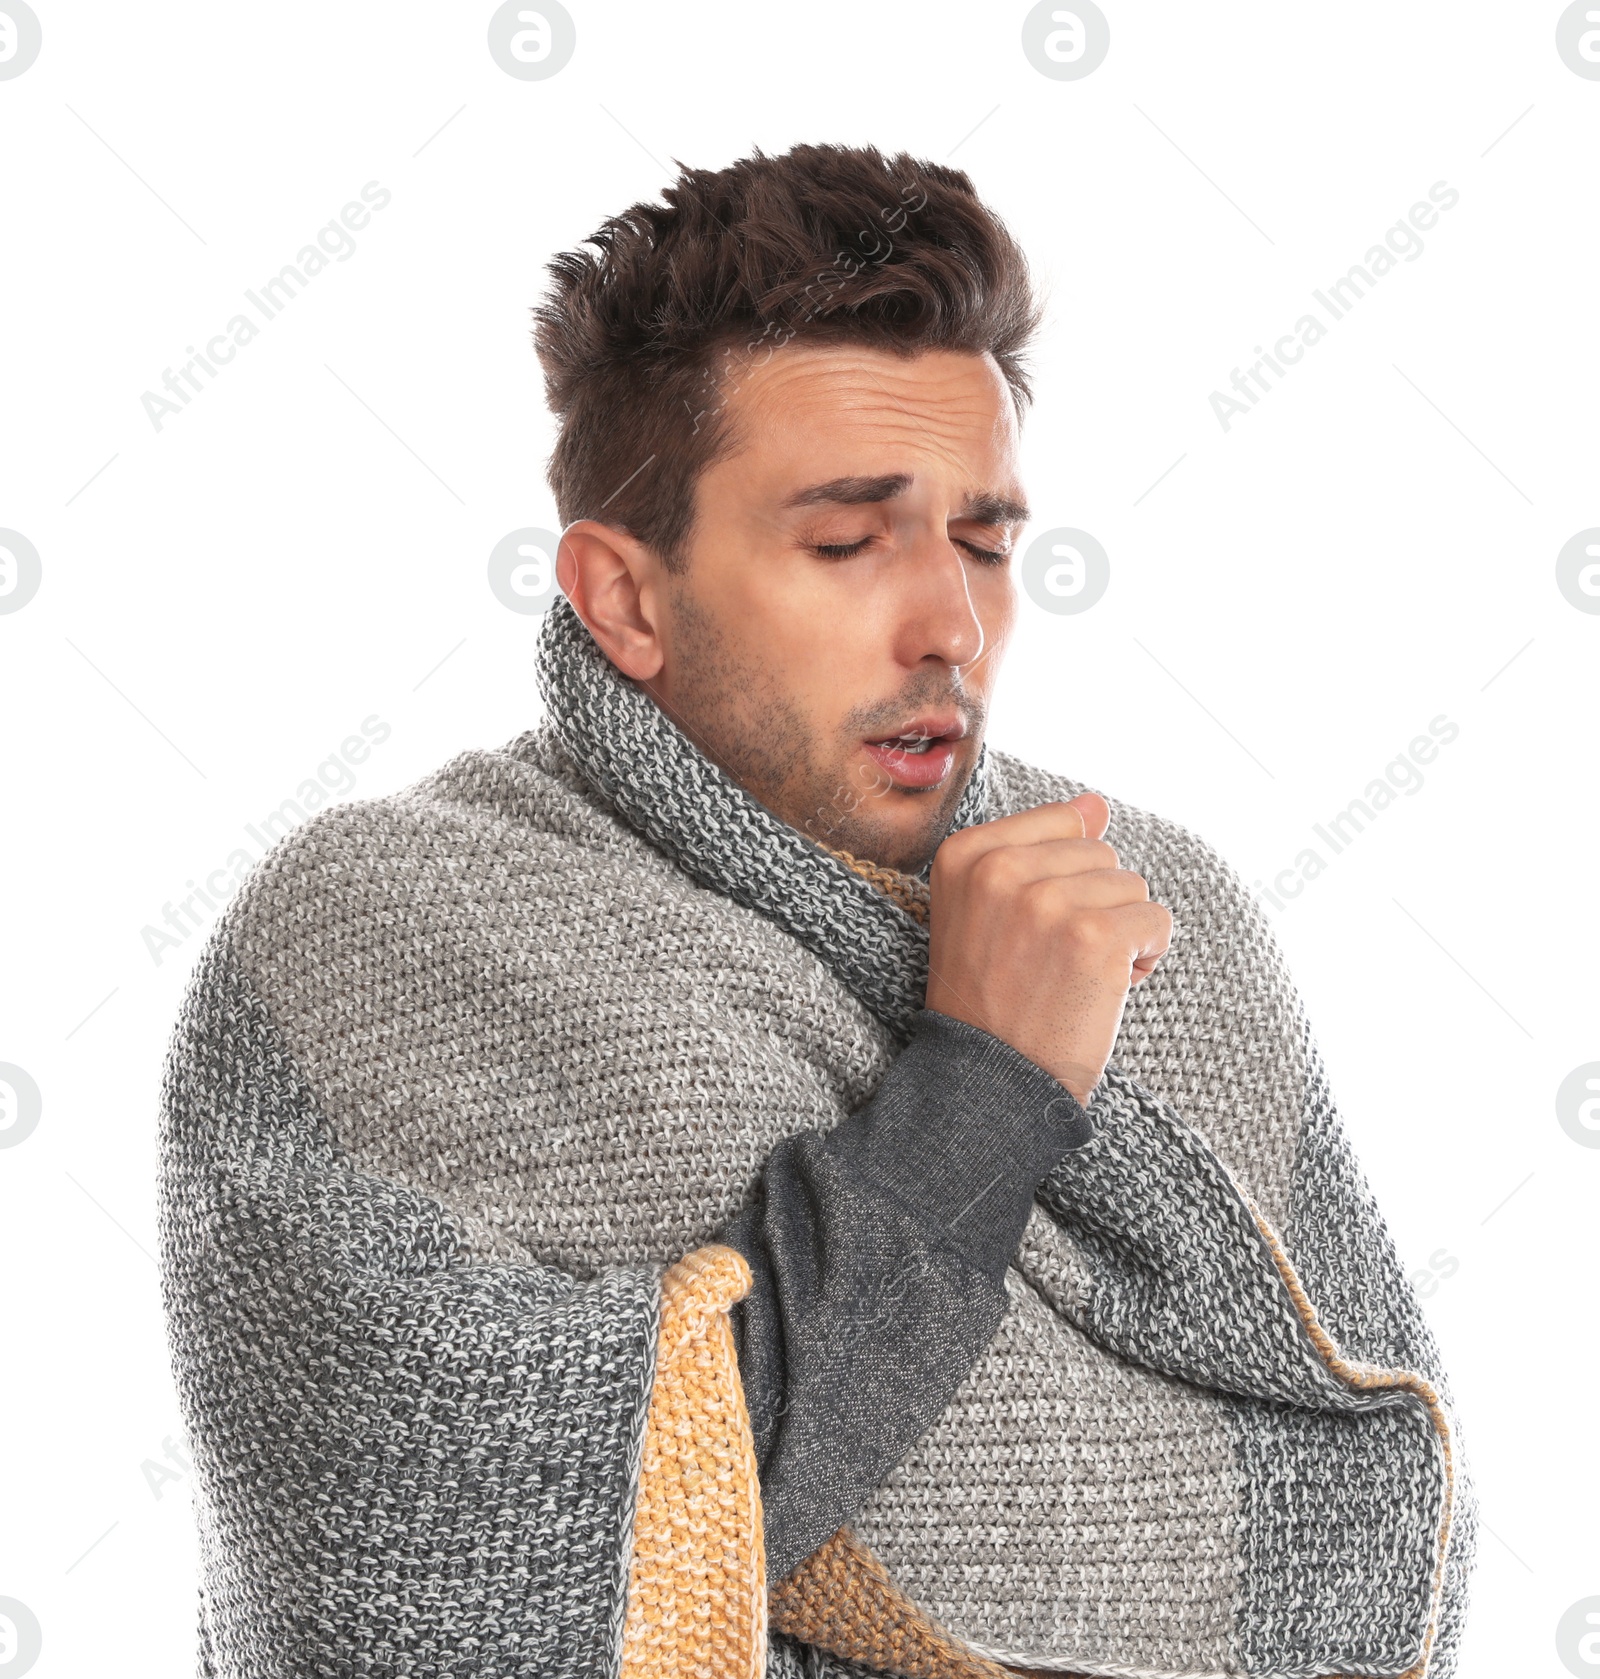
(986, 506)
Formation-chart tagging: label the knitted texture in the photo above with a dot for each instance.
(464, 1072)
(410, 1458)
(910, 893)
(841, 1598)
(630, 751)
(697, 1589)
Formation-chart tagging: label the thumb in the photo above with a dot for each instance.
(1096, 814)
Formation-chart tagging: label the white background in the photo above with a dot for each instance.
(1370, 547)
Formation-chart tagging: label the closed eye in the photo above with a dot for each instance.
(846, 550)
(989, 556)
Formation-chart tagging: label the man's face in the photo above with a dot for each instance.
(835, 637)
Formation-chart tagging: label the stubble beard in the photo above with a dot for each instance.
(736, 713)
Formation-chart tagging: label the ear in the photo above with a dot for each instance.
(613, 582)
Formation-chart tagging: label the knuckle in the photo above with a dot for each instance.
(1048, 906)
(952, 855)
(1091, 932)
(996, 871)
(954, 846)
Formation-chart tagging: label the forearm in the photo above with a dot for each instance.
(878, 1255)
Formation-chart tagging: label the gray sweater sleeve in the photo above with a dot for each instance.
(878, 1254)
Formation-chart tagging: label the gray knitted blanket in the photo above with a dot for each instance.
(468, 1078)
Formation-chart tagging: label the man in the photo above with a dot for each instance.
(746, 1177)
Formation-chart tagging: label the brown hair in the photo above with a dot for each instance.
(825, 243)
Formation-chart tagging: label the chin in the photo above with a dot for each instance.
(898, 829)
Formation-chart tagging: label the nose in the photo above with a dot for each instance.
(937, 617)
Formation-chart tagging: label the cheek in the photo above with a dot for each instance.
(994, 599)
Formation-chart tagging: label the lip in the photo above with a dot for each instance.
(943, 725)
(919, 770)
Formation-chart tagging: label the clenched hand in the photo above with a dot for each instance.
(1037, 935)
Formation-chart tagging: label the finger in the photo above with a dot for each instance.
(1104, 888)
(1061, 819)
(1150, 929)
(1127, 929)
(1015, 868)
(1096, 813)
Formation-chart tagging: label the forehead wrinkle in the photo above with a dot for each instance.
(812, 379)
(934, 419)
(952, 424)
(944, 433)
(999, 421)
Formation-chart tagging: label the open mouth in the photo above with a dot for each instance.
(920, 755)
(907, 743)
